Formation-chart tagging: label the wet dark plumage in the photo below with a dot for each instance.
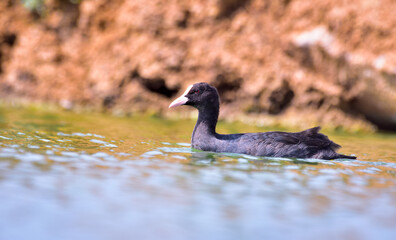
(306, 144)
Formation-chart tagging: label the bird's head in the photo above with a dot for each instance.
(198, 95)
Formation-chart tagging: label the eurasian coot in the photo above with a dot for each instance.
(306, 144)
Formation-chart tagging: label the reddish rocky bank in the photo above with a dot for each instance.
(299, 62)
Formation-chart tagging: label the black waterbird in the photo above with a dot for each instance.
(306, 144)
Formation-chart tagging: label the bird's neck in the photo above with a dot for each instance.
(207, 120)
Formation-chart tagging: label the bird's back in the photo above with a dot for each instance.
(306, 144)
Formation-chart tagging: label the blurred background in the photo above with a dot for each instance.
(289, 62)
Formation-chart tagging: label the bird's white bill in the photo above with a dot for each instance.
(178, 101)
(182, 99)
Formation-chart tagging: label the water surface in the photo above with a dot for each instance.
(90, 176)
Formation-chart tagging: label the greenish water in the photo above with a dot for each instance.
(70, 176)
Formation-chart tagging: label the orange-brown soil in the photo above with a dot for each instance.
(300, 62)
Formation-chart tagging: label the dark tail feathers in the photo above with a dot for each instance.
(312, 131)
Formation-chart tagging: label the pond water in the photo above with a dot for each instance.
(91, 176)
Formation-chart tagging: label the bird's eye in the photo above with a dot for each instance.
(194, 92)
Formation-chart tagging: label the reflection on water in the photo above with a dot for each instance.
(68, 176)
